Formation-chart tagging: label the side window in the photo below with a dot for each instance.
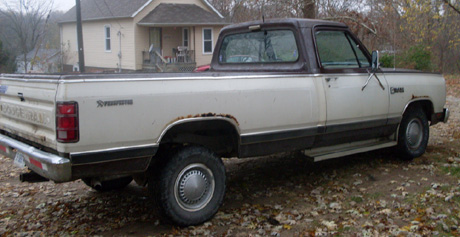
(337, 49)
(207, 41)
(108, 46)
(259, 47)
(362, 59)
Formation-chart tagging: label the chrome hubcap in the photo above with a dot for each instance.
(194, 187)
(414, 133)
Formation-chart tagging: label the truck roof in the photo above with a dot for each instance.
(303, 23)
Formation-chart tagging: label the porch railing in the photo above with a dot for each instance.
(153, 61)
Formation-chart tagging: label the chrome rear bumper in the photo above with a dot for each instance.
(440, 117)
(48, 165)
(446, 115)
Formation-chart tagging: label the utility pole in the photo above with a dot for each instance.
(81, 55)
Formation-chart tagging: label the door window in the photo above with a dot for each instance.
(155, 39)
(185, 37)
(336, 49)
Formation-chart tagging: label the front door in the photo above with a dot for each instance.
(155, 44)
(353, 109)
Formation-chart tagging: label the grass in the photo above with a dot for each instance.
(452, 76)
(357, 199)
(375, 195)
(342, 230)
(456, 199)
(454, 171)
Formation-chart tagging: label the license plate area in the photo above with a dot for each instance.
(19, 160)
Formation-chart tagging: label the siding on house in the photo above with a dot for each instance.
(142, 38)
(201, 58)
(94, 43)
(69, 43)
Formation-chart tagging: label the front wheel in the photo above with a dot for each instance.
(413, 134)
(190, 187)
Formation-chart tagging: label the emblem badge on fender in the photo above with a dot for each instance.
(101, 103)
(395, 90)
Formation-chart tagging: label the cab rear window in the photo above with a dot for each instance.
(268, 46)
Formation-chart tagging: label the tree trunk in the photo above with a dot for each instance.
(25, 63)
(309, 9)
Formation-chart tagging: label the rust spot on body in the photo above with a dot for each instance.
(419, 97)
(206, 115)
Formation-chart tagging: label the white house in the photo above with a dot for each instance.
(142, 34)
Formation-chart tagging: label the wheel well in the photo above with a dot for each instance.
(426, 105)
(218, 135)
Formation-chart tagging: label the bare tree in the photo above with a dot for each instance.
(451, 5)
(392, 26)
(309, 9)
(64, 56)
(27, 20)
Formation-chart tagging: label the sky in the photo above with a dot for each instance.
(63, 5)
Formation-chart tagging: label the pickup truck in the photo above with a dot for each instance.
(274, 86)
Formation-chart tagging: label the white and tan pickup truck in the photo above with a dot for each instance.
(274, 86)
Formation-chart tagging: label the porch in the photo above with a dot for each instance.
(182, 60)
(178, 37)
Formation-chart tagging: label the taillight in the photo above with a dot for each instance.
(67, 130)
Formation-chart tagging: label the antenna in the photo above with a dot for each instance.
(394, 44)
(81, 55)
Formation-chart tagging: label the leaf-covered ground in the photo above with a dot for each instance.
(284, 195)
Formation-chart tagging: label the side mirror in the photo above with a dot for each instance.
(375, 60)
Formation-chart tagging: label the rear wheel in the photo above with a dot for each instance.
(108, 185)
(413, 134)
(190, 186)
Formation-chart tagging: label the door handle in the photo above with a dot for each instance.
(328, 79)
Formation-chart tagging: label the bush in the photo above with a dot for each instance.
(387, 60)
(418, 57)
(7, 63)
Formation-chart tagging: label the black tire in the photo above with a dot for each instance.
(414, 133)
(109, 185)
(190, 186)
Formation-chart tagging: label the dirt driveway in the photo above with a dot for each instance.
(284, 195)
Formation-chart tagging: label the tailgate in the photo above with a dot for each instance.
(27, 108)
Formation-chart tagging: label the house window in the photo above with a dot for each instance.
(185, 37)
(108, 46)
(207, 41)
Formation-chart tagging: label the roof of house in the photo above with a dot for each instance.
(110, 9)
(41, 53)
(181, 14)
